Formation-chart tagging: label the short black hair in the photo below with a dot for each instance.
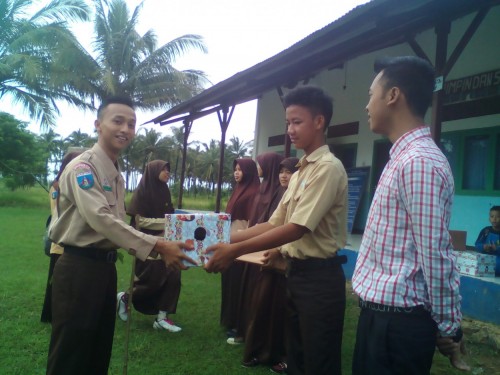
(414, 76)
(114, 100)
(495, 208)
(313, 98)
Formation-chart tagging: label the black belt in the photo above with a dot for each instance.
(103, 255)
(314, 264)
(378, 307)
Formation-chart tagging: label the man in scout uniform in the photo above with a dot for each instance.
(90, 227)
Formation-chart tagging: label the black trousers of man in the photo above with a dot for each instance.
(315, 316)
(83, 316)
(394, 343)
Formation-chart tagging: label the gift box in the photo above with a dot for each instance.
(200, 230)
(476, 264)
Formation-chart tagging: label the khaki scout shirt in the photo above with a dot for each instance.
(54, 248)
(316, 198)
(92, 207)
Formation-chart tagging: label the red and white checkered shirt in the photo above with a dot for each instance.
(405, 258)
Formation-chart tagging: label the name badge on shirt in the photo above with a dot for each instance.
(106, 185)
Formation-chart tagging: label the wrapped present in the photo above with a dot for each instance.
(476, 264)
(200, 230)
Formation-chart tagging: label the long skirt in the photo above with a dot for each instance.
(265, 333)
(157, 288)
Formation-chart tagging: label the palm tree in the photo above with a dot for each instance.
(148, 146)
(52, 144)
(209, 163)
(29, 48)
(133, 65)
(193, 158)
(178, 145)
(131, 160)
(79, 139)
(238, 149)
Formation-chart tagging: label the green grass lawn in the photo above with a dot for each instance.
(199, 349)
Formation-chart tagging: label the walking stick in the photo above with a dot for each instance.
(129, 315)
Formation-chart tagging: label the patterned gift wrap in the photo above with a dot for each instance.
(476, 264)
(200, 230)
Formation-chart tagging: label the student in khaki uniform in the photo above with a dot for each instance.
(90, 227)
(55, 249)
(310, 225)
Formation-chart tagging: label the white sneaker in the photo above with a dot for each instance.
(121, 306)
(167, 325)
(235, 340)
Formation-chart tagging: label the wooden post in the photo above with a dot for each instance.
(224, 123)
(442, 31)
(187, 129)
(287, 137)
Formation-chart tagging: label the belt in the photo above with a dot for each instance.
(103, 255)
(314, 264)
(378, 307)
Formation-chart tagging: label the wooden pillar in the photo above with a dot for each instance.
(287, 137)
(442, 31)
(224, 123)
(187, 129)
(443, 65)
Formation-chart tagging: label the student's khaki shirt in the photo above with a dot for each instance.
(92, 207)
(316, 198)
(54, 248)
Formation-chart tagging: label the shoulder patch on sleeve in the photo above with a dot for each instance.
(84, 175)
(81, 166)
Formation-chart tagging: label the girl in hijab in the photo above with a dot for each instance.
(268, 165)
(264, 338)
(157, 288)
(240, 206)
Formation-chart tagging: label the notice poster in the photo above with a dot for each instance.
(357, 179)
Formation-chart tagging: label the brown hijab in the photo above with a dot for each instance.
(152, 197)
(241, 201)
(67, 158)
(290, 164)
(269, 162)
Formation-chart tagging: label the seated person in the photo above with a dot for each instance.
(488, 241)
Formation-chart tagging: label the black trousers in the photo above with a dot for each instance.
(394, 343)
(46, 316)
(83, 316)
(315, 320)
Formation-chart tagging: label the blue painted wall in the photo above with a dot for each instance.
(480, 296)
(470, 213)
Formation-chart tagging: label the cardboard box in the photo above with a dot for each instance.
(199, 229)
(458, 239)
(476, 264)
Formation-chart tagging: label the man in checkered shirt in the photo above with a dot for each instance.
(405, 274)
